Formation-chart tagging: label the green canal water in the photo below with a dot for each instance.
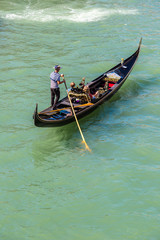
(50, 187)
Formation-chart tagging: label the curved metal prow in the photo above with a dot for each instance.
(140, 42)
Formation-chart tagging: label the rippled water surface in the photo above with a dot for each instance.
(51, 188)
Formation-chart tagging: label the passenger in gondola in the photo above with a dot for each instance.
(73, 86)
(92, 97)
(82, 83)
(78, 89)
(74, 89)
(55, 81)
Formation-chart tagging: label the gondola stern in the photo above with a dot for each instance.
(35, 115)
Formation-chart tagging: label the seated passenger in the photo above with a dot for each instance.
(105, 85)
(86, 89)
(82, 84)
(72, 85)
(74, 88)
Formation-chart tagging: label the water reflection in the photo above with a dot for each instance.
(57, 144)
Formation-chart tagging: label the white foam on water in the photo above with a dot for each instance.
(73, 15)
(96, 14)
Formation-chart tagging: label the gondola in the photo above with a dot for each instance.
(113, 78)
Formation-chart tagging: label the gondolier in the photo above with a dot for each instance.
(55, 81)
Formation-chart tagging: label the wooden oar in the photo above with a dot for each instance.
(59, 109)
(87, 147)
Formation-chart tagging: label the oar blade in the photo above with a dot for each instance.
(87, 147)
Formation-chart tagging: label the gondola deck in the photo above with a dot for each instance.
(62, 116)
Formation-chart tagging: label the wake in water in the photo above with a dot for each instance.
(66, 14)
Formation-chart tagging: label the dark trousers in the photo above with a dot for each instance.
(54, 92)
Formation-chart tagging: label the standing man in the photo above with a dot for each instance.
(55, 81)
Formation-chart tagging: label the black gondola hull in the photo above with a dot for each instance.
(40, 122)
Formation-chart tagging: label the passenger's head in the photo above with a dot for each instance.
(72, 84)
(86, 89)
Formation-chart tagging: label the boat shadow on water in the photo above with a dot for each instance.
(57, 144)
